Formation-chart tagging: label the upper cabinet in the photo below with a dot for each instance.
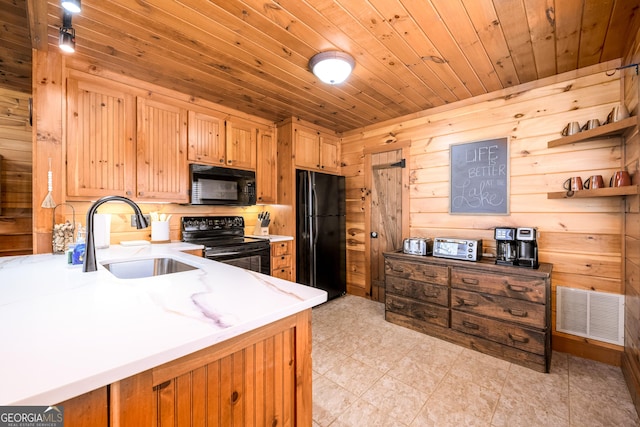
(241, 144)
(206, 139)
(162, 172)
(266, 173)
(118, 144)
(100, 145)
(316, 150)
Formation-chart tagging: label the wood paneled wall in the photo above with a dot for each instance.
(582, 238)
(631, 357)
(15, 173)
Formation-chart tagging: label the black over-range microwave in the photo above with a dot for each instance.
(214, 185)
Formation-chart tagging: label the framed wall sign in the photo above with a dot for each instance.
(480, 177)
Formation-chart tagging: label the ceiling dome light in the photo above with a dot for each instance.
(72, 6)
(332, 67)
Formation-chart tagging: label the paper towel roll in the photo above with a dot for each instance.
(102, 230)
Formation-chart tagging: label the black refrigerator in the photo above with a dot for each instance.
(320, 232)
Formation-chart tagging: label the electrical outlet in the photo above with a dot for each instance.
(134, 221)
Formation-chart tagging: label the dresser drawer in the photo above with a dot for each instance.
(526, 339)
(512, 286)
(426, 292)
(437, 274)
(513, 310)
(418, 310)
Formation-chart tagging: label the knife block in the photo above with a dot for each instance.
(260, 231)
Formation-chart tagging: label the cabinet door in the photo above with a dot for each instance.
(162, 172)
(205, 143)
(241, 144)
(329, 153)
(306, 149)
(266, 167)
(100, 140)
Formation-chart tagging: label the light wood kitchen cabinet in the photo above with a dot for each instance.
(499, 310)
(206, 139)
(101, 123)
(266, 173)
(118, 144)
(316, 150)
(162, 172)
(281, 260)
(241, 144)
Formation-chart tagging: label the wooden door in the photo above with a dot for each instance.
(205, 144)
(241, 144)
(162, 171)
(305, 148)
(100, 140)
(386, 214)
(266, 167)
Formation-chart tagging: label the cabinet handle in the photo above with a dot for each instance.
(426, 316)
(517, 338)
(431, 294)
(468, 281)
(396, 306)
(397, 269)
(234, 397)
(282, 257)
(429, 274)
(518, 313)
(128, 193)
(470, 325)
(467, 302)
(141, 193)
(518, 288)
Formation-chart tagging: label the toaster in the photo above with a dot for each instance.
(417, 246)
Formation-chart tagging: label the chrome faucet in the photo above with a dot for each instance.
(89, 263)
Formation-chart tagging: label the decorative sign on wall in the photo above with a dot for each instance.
(480, 177)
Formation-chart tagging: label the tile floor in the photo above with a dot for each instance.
(368, 372)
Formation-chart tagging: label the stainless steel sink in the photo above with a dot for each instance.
(141, 268)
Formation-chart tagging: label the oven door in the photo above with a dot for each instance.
(244, 256)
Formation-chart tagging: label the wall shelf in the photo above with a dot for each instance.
(604, 131)
(597, 192)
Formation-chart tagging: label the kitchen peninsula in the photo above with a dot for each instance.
(146, 350)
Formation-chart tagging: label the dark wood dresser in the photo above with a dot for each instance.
(498, 310)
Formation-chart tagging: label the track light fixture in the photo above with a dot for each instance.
(67, 41)
(72, 6)
(332, 67)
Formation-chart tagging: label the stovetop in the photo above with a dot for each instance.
(216, 231)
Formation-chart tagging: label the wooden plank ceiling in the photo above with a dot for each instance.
(252, 55)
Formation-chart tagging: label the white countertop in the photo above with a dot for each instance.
(64, 332)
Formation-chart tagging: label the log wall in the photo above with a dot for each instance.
(15, 173)
(631, 267)
(582, 238)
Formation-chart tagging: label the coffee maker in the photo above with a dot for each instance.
(506, 246)
(526, 238)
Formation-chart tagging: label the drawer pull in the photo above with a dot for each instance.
(523, 340)
(470, 325)
(517, 288)
(468, 281)
(430, 274)
(430, 294)
(426, 316)
(396, 306)
(162, 385)
(467, 302)
(397, 269)
(518, 313)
